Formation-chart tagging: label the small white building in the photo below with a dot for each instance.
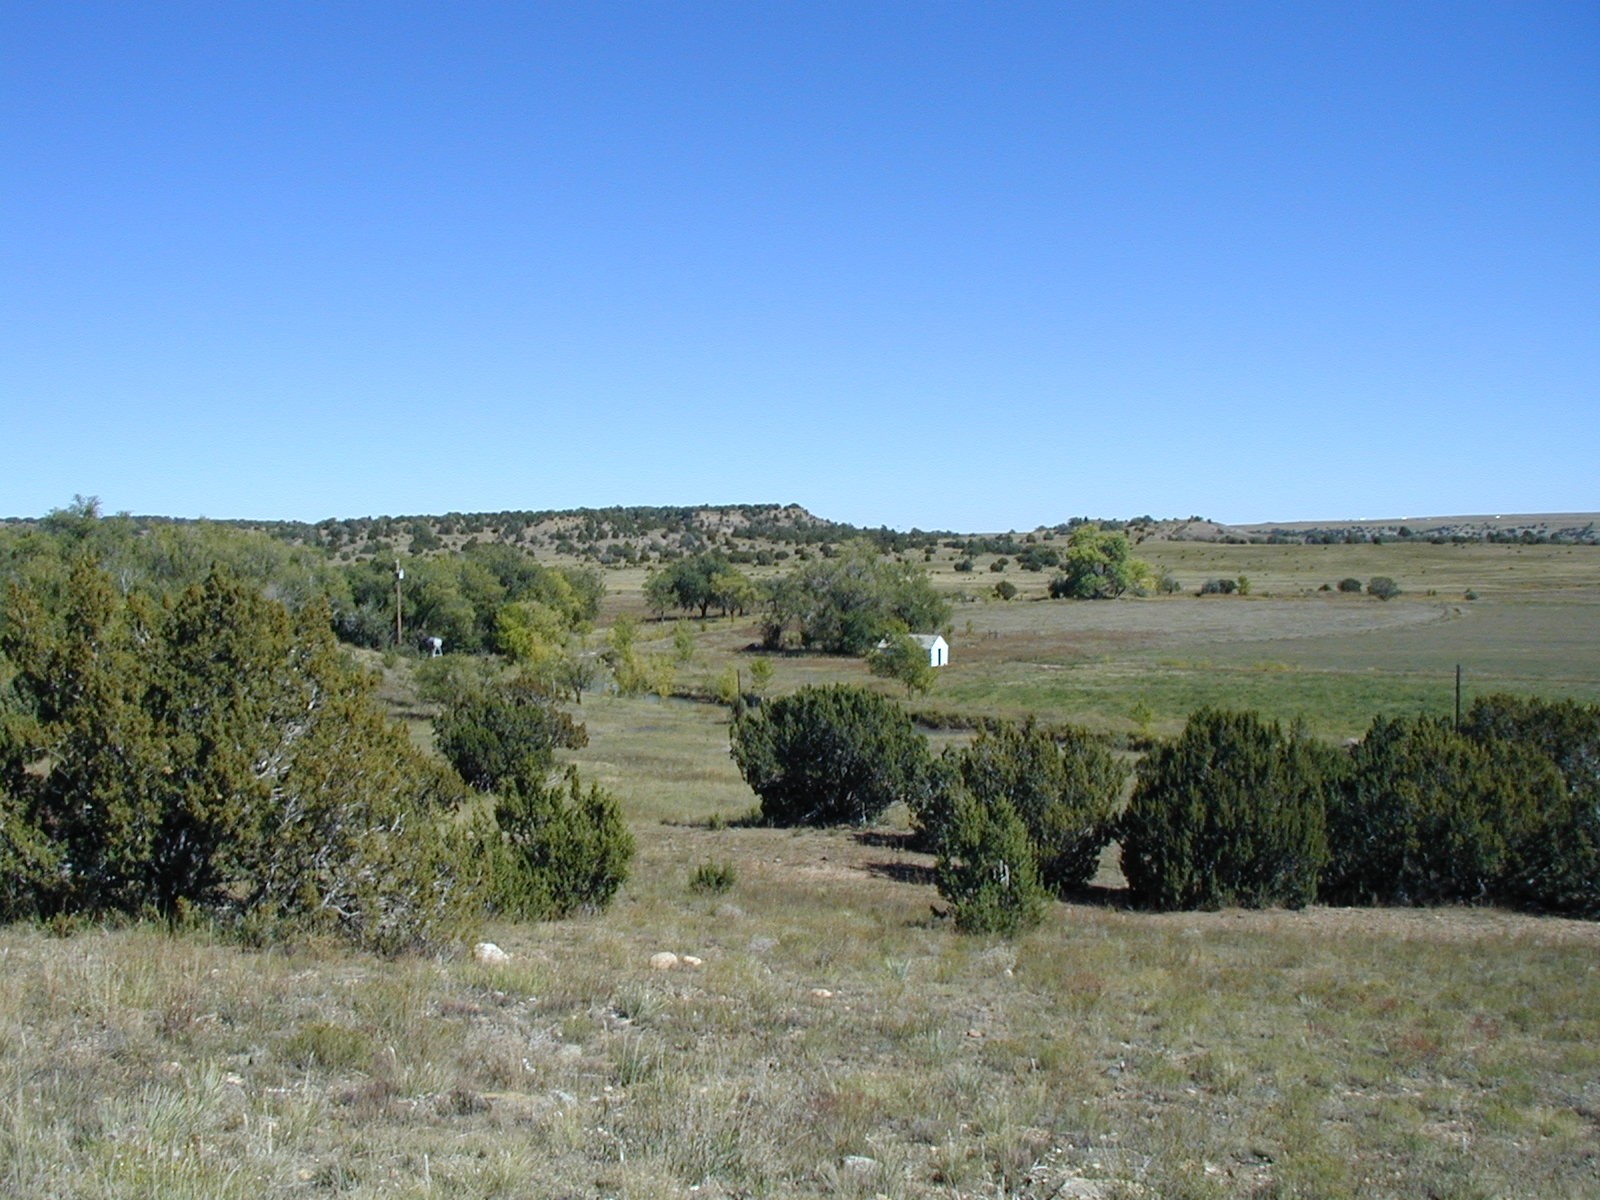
(938, 649)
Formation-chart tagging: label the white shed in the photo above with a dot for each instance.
(938, 649)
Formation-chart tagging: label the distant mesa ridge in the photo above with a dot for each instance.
(620, 534)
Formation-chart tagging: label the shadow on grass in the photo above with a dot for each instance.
(1096, 895)
(887, 839)
(902, 872)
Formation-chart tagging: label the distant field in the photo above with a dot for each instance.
(1290, 650)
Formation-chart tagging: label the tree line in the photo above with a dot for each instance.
(1235, 810)
(210, 754)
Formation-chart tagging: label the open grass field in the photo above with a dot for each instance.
(1287, 649)
(838, 1039)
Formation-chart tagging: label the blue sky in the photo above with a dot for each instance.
(953, 265)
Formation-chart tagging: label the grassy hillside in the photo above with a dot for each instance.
(837, 1038)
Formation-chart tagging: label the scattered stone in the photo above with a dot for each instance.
(689, 960)
(821, 994)
(663, 960)
(490, 955)
(859, 1162)
(974, 1033)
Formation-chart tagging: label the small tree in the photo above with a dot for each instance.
(761, 673)
(1098, 566)
(1005, 590)
(563, 848)
(683, 643)
(987, 870)
(1065, 787)
(1350, 584)
(904, 661)
(487, 736)
(829, 755)
(1382, 587)
(1229, 813)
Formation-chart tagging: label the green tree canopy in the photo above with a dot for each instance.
(847, 603)
(507, 730)
(902, 658)
(1099, 565)
(218, 754)
(988, 869)
(1064, 785)
(1428, 814)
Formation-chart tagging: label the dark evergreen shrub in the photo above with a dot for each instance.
(1350, 584)
(1382, 587)
(830, 755)
(1229, 813)
(1064, 785)
(215, 755)
(1557, 866)
(486, 735)
(563, 848)
(1427, 815)
(1219, 587)
(987, 869)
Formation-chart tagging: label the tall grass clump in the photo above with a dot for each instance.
(713, 879)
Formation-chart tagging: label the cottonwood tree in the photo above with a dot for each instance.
(1098, 565)
(846, 603)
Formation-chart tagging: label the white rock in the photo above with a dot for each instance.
(663, 960)
(690, 960)
(490, 955)
(821, 994)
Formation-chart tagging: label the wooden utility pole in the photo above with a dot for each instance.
(399, 624)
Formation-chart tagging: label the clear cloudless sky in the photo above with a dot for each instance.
(962, 265)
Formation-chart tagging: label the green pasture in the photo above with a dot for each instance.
(1288, 649)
